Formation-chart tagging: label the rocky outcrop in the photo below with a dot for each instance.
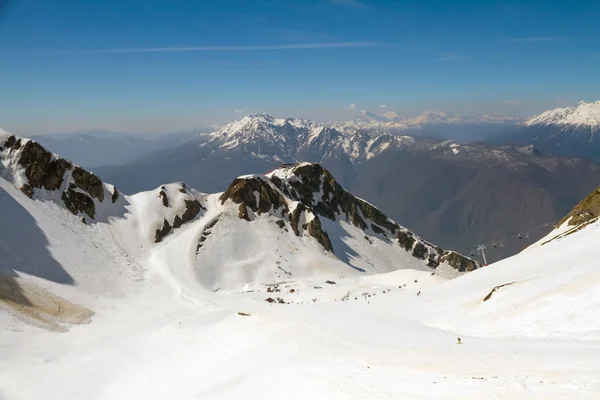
(78, 202)
(162, 232)
(317, 190)
(47, 171)
(315, 230)
(242, 191)
(183, 208)
(459, 262)
(258, 195)
(192, 208)
(89, 182)
(332, 200)
(41, 169)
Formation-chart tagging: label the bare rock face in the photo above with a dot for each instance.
(335, 201)
(45, 170)
(41, 170)
(78, 202)
(315, 230)
(258, 195)
(460, 262)
(241, 191)
(89, 182)
(162, 232)
(191, 209)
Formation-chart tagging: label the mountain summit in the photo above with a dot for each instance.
(583, 115)
(565, 131)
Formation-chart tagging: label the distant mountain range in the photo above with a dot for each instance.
(97, 147)
(568, 131)
(461, 129)
(457, 195)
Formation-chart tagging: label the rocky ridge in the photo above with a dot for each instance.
(304, 194)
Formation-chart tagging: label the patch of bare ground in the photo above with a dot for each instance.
(40, 307)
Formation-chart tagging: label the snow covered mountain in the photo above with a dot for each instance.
(255, 291)
(440, 189)
(262, 229)
(431, 123)
(569, 131)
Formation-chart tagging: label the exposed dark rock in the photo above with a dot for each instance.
(377, 230)
(270, 300)
(10, 142)
(89, 182)
(330, 282)
(243, 212)
(27, 190)
(432, 262)
(406, 240)
(460, 262)
(115, 195)
(163, 197)
(192, 208)
(40, 169)
(315, 230)
(162, 232)
(78, 202)
(280, 223)
(241, 191)
(295, 218)
(419, 251)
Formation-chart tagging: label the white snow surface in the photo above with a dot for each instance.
(167, 322)
(586, 115)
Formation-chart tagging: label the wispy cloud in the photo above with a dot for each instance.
(348, 3)
(511, 102)
(179, 49)
(352, 106)
(535, 39)
(382, 106)
(238, 111)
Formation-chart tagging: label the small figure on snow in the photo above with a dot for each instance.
(419, 293)
(458, 341)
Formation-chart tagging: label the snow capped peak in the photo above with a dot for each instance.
(585, 115)
(394, 116)
(370, 116)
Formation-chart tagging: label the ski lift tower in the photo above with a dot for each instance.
(481, 249)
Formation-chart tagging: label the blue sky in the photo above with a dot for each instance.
(161, 66)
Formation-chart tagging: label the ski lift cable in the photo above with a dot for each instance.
(520, 235)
